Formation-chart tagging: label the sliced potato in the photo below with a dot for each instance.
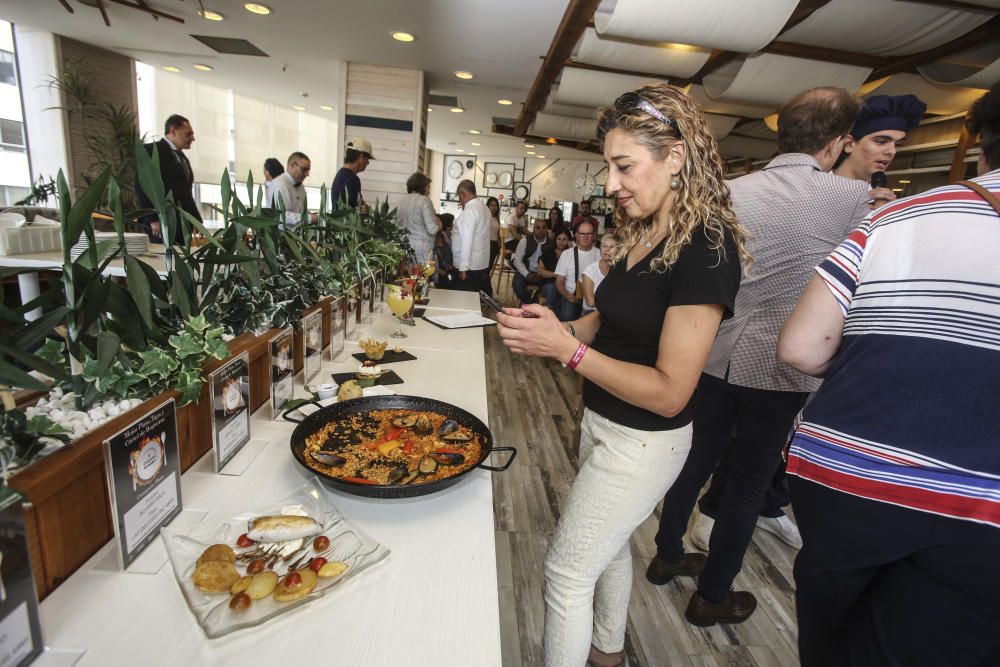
(330, 570)
(263, 584)
(283, 594)
(215, 576)
(241, 584)
(220, 552)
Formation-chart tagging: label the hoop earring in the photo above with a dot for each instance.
(675, 184)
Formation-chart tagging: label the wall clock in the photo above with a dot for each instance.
(585, 185)
(455, 169)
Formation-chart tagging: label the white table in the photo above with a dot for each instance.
(53, 261)
(433, 601)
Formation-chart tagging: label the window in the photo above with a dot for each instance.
(7, 73)
(12, 134)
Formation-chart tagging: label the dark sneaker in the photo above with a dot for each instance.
(737, 607)
(661, 572)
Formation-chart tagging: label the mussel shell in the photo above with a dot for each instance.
(427, 465)
(404, 421)
(423, 426)
(409, 478)
(448, 458)
(328, 458)
(449, 426)
(398, 473)
(457, 436)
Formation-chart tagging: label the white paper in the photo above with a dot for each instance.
(15, 636)
(150, 511)
(233, 435)
(460, 320)
(283, 390)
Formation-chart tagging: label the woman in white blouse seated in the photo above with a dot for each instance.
(594, 274)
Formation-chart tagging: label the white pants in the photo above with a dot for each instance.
(623, 473)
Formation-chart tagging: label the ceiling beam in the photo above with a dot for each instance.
(143, 7)
(984, 34)
(65, 4)
(614, 70)
(104, 13)
(826, 55)
(954, 4)
(571, 28)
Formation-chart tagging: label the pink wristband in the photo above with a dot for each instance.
(578, 356)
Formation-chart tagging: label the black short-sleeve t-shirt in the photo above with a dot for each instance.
(633, 304)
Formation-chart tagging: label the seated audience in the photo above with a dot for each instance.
(526, 255)
(568, 272)
(594, 274)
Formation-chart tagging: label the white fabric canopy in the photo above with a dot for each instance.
(566, 109)
(979, 68)
(939, 99)
(666, 60)
(883, 27)
(587, 88)
(564, 127)
(720, 126)
(770, 79)
(744, 26)
(710, 105)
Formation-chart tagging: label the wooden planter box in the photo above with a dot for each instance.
(69, 512)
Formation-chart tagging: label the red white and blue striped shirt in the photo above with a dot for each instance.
(909, 412)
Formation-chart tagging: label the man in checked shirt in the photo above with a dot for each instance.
(796, 213)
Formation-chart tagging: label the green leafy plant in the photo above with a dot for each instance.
(24, 440)
(41, 191)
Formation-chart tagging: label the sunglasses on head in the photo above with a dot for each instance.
(633, 100)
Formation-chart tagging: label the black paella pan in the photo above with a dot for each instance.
(343, 409)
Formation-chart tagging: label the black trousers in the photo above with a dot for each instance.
(475, 281)
(878, 584)
(775, 497)
(764, 419)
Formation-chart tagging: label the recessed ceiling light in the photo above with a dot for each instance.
(326, 107)
(209, 15)
(171, 68)
(474, 132)
(203, 67)
(476, 143)
(462, 74)
(531, 152)
(505, 102)
(905, 180)
(897, 189)
(529, 145)
(459, 150)
(457, 109)
(540, 156)
(403, 37)
(551, 140)
(298, 107)
(257, 8)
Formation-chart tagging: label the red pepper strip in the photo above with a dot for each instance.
(408, 447)
(447, 450)
(391, 433)
(359, 480)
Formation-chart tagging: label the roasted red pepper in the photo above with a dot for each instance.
(408, 447)
(447, 450)
(360, 480)
(391, 433)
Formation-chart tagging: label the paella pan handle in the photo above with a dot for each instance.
(513, 453)
(295, 405)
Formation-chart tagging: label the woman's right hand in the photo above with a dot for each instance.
(536, 331)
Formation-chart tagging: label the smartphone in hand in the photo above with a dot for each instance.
(496, 305)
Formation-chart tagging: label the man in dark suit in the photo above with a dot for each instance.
(175, 170)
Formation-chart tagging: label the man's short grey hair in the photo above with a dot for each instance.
(467, 186)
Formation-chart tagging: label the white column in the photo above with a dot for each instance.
(38, 59)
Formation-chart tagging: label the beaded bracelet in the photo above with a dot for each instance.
(578, 356)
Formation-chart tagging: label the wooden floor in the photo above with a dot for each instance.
(534, 406)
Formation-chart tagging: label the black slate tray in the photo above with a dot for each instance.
(388, 377)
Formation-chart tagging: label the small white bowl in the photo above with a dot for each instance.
(325, 391)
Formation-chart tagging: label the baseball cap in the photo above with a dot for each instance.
(361, 145)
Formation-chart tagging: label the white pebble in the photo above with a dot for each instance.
(56, 414)
(56, 392)
(96, 413)
(126, 404)
(113, 410)
(30, 412)
(86, 422)
(42, 401)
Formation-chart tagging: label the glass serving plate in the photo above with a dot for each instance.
(347, 544)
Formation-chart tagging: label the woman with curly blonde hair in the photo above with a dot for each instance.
(675, 276)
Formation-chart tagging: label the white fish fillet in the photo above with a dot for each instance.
(282, 528)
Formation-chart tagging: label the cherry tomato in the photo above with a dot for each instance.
(240, 602)
(244, 541)
(321, 543)
(316, 563)
(255, 566)
(292, 580)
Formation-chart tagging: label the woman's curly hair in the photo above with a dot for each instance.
(703, 201)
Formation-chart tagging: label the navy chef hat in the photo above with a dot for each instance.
(888, 112)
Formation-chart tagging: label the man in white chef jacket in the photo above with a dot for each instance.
(470, 240)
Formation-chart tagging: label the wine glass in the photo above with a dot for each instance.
(400, 301)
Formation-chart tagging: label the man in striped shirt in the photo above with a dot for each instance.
(897, 459)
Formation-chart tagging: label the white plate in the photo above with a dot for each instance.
(347, 544)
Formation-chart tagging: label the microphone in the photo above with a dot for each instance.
(879, 180)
